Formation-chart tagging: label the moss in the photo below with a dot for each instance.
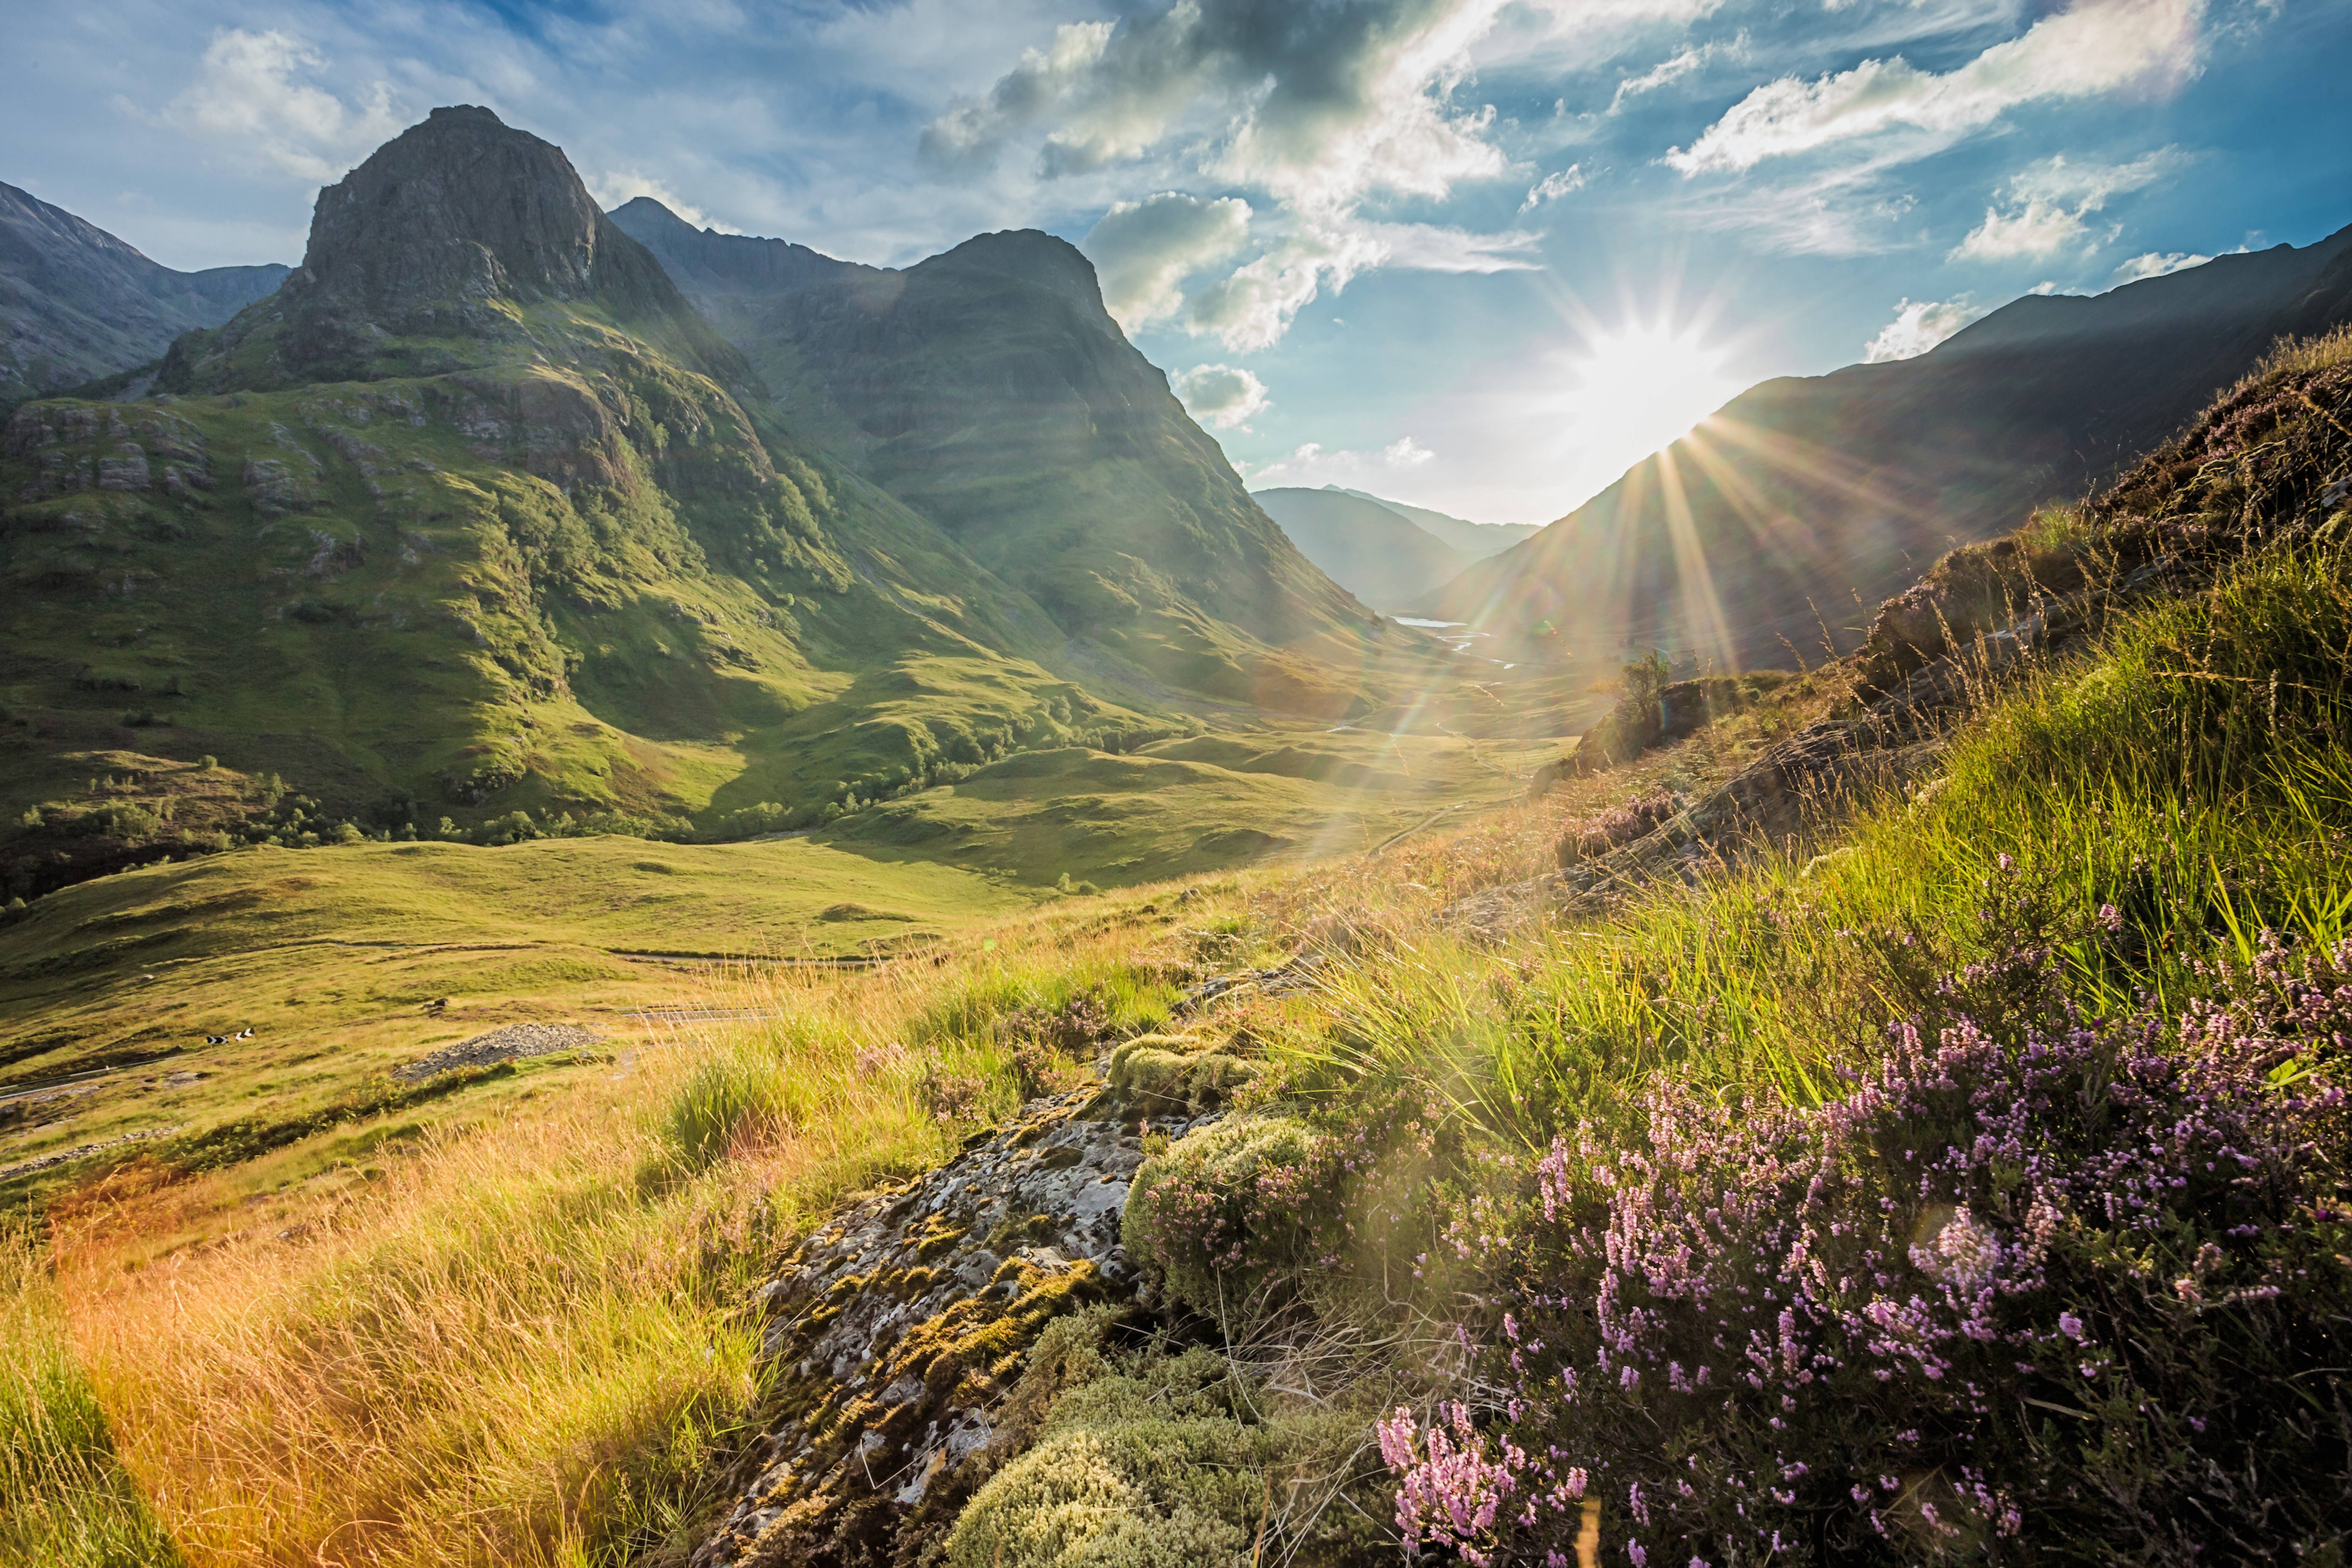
(1167, 1074)
(1229, 1211)
(936, 1236)
(1151, 1458)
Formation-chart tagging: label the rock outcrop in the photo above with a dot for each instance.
(430, 252)
(895, 1330)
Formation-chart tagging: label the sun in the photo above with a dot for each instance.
(1641, 386)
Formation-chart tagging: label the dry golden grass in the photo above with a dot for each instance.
(521, 1344)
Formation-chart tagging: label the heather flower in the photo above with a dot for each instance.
(1877, 1283)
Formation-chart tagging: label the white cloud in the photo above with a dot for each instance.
(1320, 108)
(2158, 264)
(1219, 396)
(1664, 73)
(1144, 250)
(2051, 205)
(247, 96)
(1254, 307)
(1311, 464)
(1668, 71)
(1918, 326)
(2093, 47)
(1552, 187)
(972, 132)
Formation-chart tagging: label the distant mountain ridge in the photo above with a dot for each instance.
(1475, 540)
(1770, 524)
(78, 303)
(1381, 557)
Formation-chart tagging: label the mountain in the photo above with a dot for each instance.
(1770, 524)
(1363, 545)
(1475, 540)
(76, 303)
(474, 514)
(989, 390)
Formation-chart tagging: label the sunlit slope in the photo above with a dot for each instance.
(1195, 804)
(989, 390)
(348, 963)
(1780, 520)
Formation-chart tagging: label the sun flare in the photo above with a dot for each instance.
(1641, 386)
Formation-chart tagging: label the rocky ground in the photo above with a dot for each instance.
(897, 1327)
(517, 1040)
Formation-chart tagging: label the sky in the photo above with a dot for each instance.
(1477, 255)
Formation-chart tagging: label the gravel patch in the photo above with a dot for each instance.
(501, 1045)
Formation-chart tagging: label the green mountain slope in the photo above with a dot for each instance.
(77, 303)
(1376, 554)
(989, 390)
(1803, 500)
(476, 515)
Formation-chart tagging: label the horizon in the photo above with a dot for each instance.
(1476, 256)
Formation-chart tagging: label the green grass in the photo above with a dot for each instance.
(68, 1501)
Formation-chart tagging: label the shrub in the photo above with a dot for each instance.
(2083, 1272)
(1618, 826)
(1229, 1216)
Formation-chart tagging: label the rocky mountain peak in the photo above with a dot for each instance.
(1036, 258)
(458, 211)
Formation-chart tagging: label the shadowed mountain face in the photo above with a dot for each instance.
(989, 390)
(1367, 549)
(1770, 525)
(76, 303)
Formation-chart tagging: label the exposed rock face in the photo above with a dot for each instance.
(897, 1327)
(450, 215)
(463, 207)
(77, 303)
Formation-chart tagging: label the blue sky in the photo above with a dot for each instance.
(1479, 255)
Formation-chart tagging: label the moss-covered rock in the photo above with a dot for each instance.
(1164, 1074)
(1154, 1458)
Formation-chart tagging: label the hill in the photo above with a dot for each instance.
(1365, 547)
(475, 516)
(989, 390)
(78, 303)
(1805, 499)
(1475, 540)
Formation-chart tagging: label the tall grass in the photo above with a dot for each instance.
(527, 1343)
(64, 1499)
(2189, 775)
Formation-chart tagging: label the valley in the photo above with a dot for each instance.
(670, 902)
